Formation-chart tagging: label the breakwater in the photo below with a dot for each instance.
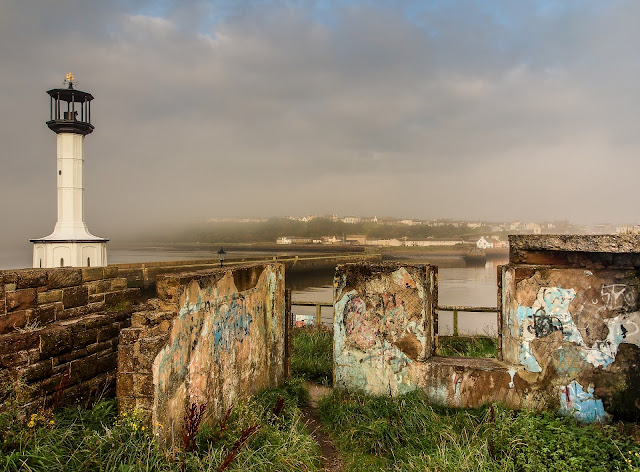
(144, 274)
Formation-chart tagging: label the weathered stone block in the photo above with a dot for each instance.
(14, 320)
(73, 313)
(118, 284)
(21, 299)
(125, 358)
(14, 342)
(112, 299)
(84, 338)
(126, 404)
(49, 296)
(107, 361)
(143, 385)
(36, 371)
(146, 351)
(124, 387)
(100, 347)
(89, 274)
(100, 286)
(55, 340)
(32, 278)
(97, 298)
(68, 357)
(83, 369)
(61, 278)
(108, 332)
(43, 315)
(167, 287)
(75, 296)
(2, 304)
(15, 359)
(110, 272)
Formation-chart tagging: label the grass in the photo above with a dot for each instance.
(312, 354)
(99, 439)
(468, 346)
(408, 434)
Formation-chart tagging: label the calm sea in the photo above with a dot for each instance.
(459, 285)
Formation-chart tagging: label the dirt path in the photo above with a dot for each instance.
(331, 460)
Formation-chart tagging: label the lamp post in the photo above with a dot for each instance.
(221, 254)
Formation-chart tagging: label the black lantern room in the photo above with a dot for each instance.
(70, 110)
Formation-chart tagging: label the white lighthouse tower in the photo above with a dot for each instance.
(70, 244)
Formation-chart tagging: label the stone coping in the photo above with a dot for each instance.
(604, 243)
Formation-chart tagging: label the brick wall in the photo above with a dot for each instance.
(61, 326)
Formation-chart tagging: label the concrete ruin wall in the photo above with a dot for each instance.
(575, 332)
(570, 333)
(59, 331)
(211, 337)
(382, 325)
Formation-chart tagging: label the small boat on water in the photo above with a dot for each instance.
(475, 257)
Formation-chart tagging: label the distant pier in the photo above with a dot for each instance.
(144, 274)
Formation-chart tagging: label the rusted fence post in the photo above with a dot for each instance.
(455, 322)
(288, 322)
(318, 315)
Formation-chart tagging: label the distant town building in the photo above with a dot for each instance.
(482, 243)
(351, 219)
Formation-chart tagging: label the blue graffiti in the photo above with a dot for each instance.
(583, 406)
(231, 323)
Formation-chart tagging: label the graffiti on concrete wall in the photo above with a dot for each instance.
(379, 331)
(581, 404)
(550, 312)
(231, 321)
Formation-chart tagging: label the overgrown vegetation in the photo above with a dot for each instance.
(99, 439)
(312, 354)
(408, 434)
(468, 346)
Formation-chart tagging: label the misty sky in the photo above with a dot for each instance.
(487, 109)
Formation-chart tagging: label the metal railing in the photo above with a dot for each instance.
(468, 309)
(318, 306)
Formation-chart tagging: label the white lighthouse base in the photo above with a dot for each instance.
(70, 253)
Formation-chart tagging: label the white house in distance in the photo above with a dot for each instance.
(482, 243)
(70, 244)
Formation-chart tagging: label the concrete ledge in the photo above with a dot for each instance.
(609, 243)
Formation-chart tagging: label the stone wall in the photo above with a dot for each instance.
(211, 337)
(382, 325)
(59, 330)
(570, 332)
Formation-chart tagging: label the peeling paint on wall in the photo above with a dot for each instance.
(550, 313)
(380, 328)
(583, 406)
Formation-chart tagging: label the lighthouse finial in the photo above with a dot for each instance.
(69, 78)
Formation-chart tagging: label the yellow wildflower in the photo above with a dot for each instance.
(142, 428)
(52, 422)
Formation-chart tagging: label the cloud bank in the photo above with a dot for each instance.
(480, 110)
